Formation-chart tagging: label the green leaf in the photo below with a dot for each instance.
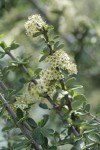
(51, 42)
(30, 71)
(43, 58)
(79, 145)
(52, 148)
(55, 96)
(45, 144)
(89, 145)
(46, 132)
(44, 120)
(56, 135)
(77, 87)
(56, 44)
(39, 138)
(37, 34)
(78, 122)
(22, 80)
(20, 145)
(59, 47)
(88, 131)
(98, 110)
(78, 101)
(64, 72)
(56, 37)
(70, 82)
(43, 105)
(45, 51)
(9, 125)
(31, 122)
(14, 45)
(2, 111)
(3, 45)
(37, 72)
(50, 27)
(87, 107)
(2, 54)
(94, 137)
(19, 113)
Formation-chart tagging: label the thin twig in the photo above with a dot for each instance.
(3, 86)
(19, 124)
(45, 33)
(24, 127)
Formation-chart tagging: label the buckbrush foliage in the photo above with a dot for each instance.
(53, 89)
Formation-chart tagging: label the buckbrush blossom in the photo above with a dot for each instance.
(34, 25)
(61, 60)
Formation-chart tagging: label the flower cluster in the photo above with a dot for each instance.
(47, 79)
(50, 74)
(34, 24)
(58, 61)
(24, 100)
(61, 60)
(31, 94)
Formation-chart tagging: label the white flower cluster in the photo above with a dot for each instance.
(24, 100)
(61, 60)
(50, 76)
(47, 79)
(34, 25)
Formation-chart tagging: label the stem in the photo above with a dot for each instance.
(3, 86)
(20, 125)
(47, 41)
(68, 101)
(13, 115)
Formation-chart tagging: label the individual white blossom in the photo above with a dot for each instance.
(34, 24)
(61, 60)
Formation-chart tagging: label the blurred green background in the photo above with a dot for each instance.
(78, 24)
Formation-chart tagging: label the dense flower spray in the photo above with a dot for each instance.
(51, 76)
(34, 24)
(61, 60)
